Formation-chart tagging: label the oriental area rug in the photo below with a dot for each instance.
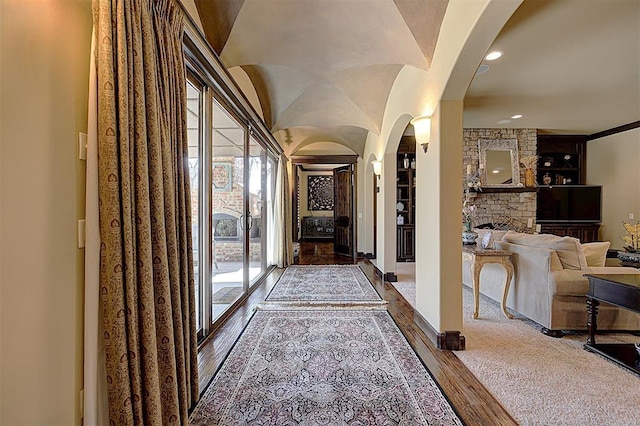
(323, 350)
(344, 283)
(328, 367)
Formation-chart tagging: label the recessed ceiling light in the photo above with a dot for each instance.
(482, 69)
(495, 171)
(504, 121)
(492, 56)
(516, 116)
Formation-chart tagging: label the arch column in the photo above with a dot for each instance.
(438, 229)
(386, 218)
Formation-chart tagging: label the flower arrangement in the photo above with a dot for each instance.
(468, 213)
(632, 239)
(529, 161)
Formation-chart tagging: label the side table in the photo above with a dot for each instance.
(478, 257)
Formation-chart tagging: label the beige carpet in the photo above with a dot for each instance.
(541, 380)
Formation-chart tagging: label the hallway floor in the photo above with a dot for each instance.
(473, 402)
(320, 253)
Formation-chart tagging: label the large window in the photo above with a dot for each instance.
(232, 179)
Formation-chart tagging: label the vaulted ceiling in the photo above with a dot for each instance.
(323, 69)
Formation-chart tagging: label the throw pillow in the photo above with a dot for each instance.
(596, 253)
(570, 253)
(569, 249)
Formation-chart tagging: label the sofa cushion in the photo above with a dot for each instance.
(596, 253)
(569, 249)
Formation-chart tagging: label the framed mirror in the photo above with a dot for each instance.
(499, 158)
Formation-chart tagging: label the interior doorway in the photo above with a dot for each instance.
(324, 209)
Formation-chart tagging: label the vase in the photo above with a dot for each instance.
(629, 259)
(469, 237)
(529, 178)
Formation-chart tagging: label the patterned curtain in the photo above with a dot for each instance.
(146, 264)
(283, 214)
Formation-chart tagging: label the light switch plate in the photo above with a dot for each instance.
(82, 146)
(82, 224)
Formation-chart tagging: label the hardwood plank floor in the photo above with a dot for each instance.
(473, 402)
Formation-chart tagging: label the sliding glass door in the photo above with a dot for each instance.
(195, 93)
(232, 177)
(257, 209)
(228, 208)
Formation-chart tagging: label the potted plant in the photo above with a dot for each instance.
(631, 255)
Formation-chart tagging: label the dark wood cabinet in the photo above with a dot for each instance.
(562, 159)
(316, 227)
(406, 244)
(585, 232)
(405, 199)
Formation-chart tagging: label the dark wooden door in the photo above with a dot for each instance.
(343, 210)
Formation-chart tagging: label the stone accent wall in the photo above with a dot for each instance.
(520, 206)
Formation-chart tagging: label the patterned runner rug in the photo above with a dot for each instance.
(346, 283)
(334, 367)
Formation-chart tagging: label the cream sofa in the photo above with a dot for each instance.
(548, 285)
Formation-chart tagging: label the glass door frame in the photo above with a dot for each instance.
(200, 69)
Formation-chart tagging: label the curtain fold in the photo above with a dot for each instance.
(146, 264)
(284, 241)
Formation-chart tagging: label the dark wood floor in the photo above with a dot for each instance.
(473, 402)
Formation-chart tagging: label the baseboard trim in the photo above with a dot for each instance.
(448, 340)
(377, 272)
(391, 277)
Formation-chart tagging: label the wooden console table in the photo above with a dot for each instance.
(622, 290)
(478, 257)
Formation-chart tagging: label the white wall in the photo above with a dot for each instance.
(44, 77)
(612, 162)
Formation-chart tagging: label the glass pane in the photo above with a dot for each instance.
(227, 206)
(257, 177)
(194, 102)
(270, 246)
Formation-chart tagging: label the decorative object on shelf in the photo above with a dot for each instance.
(567, 161)
(399, 206)
(413, 163)
(529, 162)
(405, 162)
(422, 131)
(632, 239)
(400, 220)
(546, 179)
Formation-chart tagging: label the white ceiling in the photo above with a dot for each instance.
(569, 67)
(323, 69)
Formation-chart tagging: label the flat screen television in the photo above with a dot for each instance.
(569, 203)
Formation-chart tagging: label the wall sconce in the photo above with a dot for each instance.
(422, 129)
(377, 168)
